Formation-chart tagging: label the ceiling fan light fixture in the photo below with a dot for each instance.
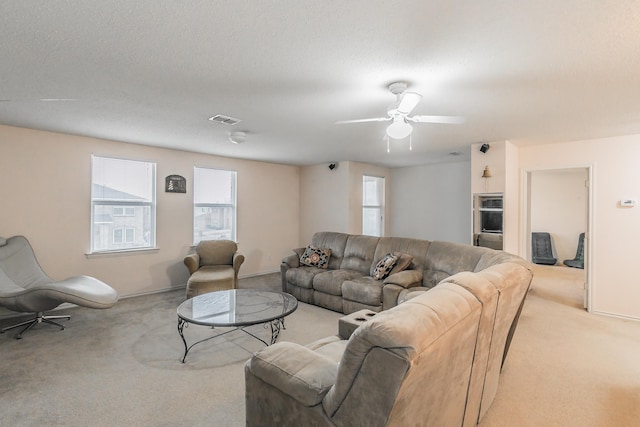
(399, 129)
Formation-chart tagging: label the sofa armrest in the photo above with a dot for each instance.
(405, 279)
(192, 262)
(238, 259)
(295, 370)
(292, 260)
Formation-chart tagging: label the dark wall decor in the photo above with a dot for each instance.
(175, 184)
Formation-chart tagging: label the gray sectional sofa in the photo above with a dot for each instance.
(433, 360)
(347, 285)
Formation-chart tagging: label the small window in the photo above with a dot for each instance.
(123, 235)
(123, 211)
(214, 204)
(123, 207)
(372, 205)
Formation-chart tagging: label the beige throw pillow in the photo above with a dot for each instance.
(403, 262)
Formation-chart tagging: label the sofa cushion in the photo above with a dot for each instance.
(332, 302)
(331, 347)
(334, 241)
(358, 254)
(302, 276)
(330, 282)
(413, 247)
(384, 266)
(445, 259)
(316, 257)
(365, 290)
(216, 252)
(295, 370)
(214, 273)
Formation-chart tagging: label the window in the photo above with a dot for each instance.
(123, 235)
(214, 204)
(123, 211)
(372, 205)
(123, 205)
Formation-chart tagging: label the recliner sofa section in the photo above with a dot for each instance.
(347, 284)
(434, 360)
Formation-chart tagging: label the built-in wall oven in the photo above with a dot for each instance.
(488, 220)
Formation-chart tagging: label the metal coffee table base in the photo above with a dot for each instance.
(275, 325)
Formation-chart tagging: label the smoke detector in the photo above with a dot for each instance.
(237, 137)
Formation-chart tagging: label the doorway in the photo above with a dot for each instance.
(559, 201)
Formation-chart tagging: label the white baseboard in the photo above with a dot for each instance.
(258, 274)
(618, 316)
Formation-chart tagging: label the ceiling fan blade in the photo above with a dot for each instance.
(377, 119)
(451, 120)
(408, 102)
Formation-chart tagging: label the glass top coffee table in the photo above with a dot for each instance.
(236, 308)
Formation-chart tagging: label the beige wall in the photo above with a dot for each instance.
(431, 202)
(331, 200)
(46, 190)
(46, 196)
(512, 198)
(495, 159)
(614, 241)
(323, 200)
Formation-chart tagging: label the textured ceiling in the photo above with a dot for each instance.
(153, 71)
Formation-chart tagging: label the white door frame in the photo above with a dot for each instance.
(525, 224)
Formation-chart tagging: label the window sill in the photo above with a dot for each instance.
(123, 252)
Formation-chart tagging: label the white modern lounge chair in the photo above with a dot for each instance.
(25, 287)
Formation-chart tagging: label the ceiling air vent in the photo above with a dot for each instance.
(219, 118)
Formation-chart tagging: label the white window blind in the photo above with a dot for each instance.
(123, 205)
(214, 204)
(372, 205)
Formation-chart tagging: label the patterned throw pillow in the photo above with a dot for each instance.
(315, 257)
(384, 266)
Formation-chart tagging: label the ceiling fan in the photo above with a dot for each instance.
(399, 111)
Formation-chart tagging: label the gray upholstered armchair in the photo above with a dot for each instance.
(213, 267)
(25, 287)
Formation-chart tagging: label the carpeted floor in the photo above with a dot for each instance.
(567, 367)
(121, 366)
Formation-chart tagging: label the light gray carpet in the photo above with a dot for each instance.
(120, 367)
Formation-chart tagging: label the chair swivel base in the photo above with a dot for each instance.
(40, 318)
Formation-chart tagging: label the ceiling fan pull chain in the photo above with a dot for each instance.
(410, 141)
(388, 150)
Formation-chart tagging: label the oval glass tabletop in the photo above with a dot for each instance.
(237, 307)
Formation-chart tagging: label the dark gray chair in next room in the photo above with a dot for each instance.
(541, 249)
(25, 288)
(578, 261)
